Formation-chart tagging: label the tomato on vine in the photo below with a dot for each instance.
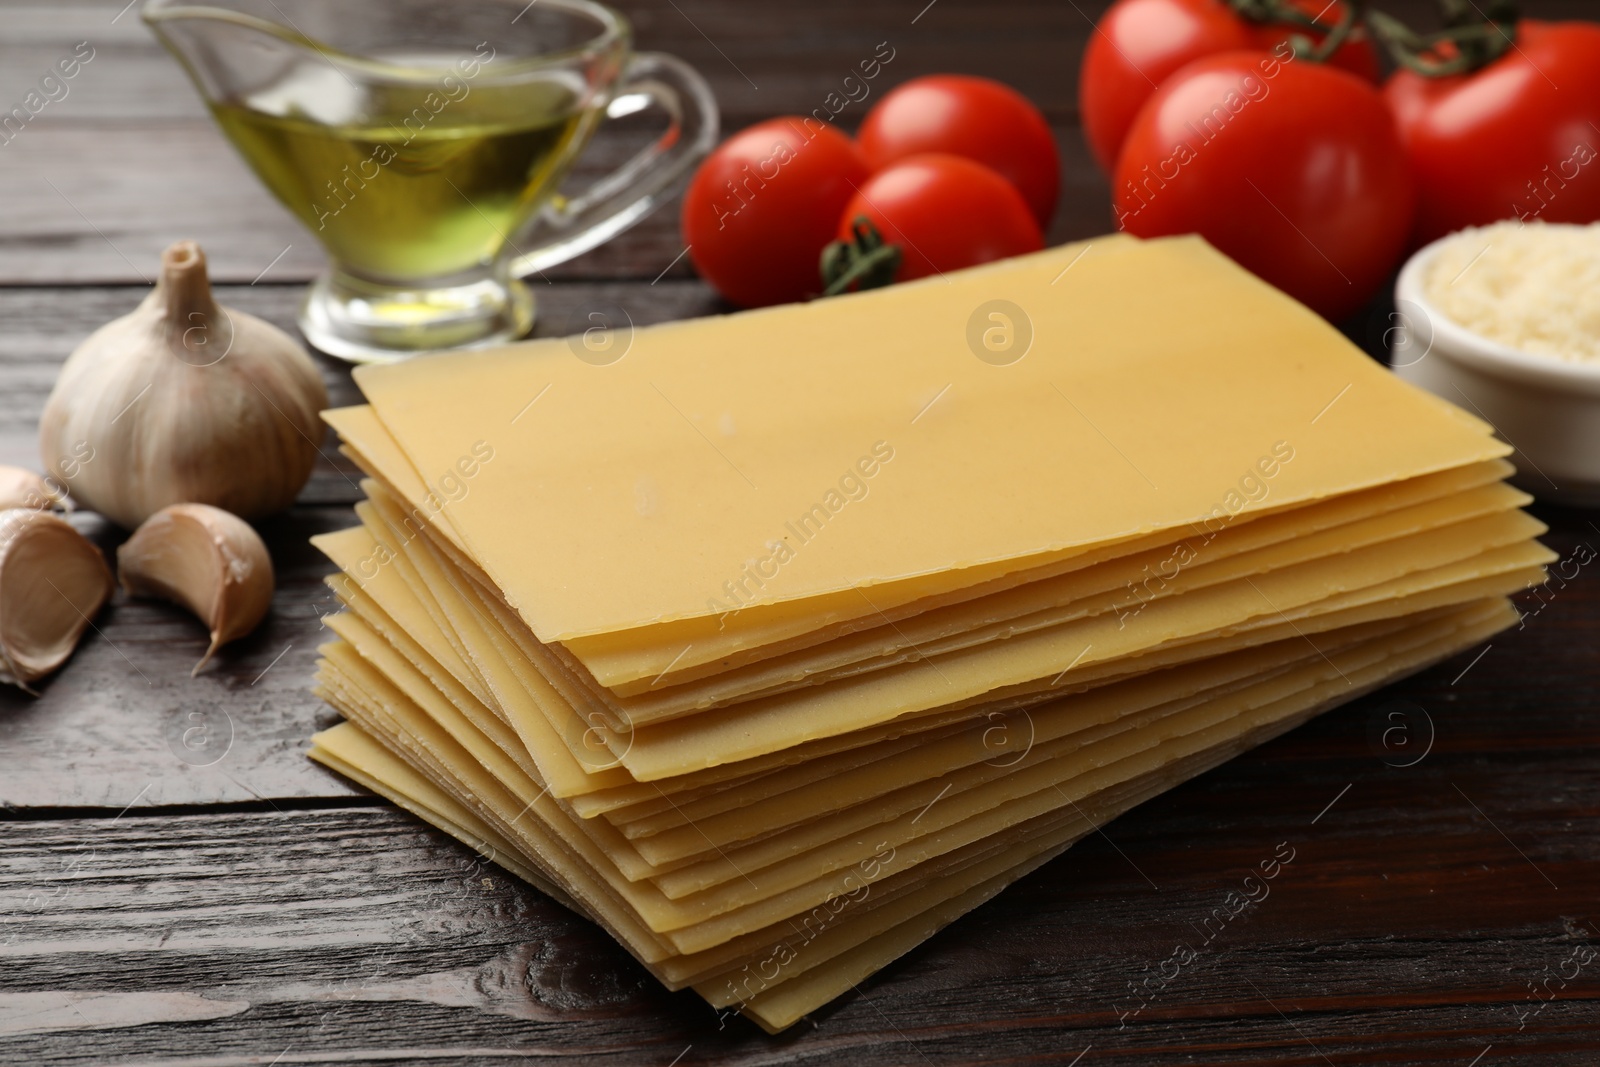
(1138, 44)
(941, 213)
(1294, 170)
(976, 118)
(765, 203)
(1500, 119)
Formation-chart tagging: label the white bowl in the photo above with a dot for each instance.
(1545, 408)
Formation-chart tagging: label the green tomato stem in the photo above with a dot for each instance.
(1475, 34)
(866, 261)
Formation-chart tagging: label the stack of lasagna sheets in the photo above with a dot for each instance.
(774, 642)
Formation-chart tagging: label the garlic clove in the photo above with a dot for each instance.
(205, 559)
(184, 400)
(24, 489)
(52, 582)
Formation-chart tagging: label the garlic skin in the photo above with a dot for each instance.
(183, 400)
(52, 582)
(24, 489)
(206, 560)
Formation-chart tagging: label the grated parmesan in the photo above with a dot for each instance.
(1533, 287)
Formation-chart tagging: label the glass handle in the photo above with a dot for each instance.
(633, 190)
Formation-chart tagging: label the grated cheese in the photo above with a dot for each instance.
(1533, 287)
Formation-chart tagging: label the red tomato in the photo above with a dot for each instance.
(980, 119)
(1294, 170)
(1135, 47)
(945, 213)
(1518, 138)
(762, 207)
(1138, 44)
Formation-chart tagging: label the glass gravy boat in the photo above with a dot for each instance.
(420, 141)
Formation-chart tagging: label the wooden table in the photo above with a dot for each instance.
(178, 884)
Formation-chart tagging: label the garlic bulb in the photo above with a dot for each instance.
(205, 559)
(182, 400)
(52, 582)
(25, 489)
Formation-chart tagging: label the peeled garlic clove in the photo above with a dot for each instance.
(205, 559)
(52, 582)
(183, 400)
(24, 489)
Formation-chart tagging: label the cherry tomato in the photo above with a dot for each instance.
(1135, 47)
(980, 119)
(765, 203)
(1138, 44)
(945, 212)
(1293, 169)
(1518, 138)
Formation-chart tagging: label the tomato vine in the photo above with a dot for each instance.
(1286, 13)
(1473, 33)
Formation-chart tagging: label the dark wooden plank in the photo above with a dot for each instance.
(1419, 908)
(1425, 905)
(760, 59)
(124, 720)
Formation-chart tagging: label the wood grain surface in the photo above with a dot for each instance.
(179, 885)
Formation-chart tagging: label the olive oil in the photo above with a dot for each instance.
(410, 182)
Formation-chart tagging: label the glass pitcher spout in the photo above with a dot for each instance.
(229, 47)
(419, 141)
